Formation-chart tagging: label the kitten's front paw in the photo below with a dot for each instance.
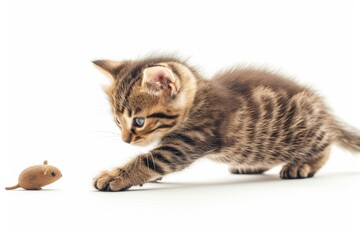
(110, 181)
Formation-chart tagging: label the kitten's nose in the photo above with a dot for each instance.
(126, 137)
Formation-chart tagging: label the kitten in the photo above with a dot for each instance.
(252, 120)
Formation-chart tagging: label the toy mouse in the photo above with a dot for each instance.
(35, 177)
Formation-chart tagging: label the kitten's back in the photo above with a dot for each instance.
(243, 80)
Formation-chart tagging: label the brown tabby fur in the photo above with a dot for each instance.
(250, 119)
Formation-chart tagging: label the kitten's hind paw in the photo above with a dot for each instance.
(296, 172)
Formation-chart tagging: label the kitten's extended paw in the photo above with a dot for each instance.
(296, 171)
(110, 181)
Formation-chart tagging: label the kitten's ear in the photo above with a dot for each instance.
(160, 80)
(108, 67)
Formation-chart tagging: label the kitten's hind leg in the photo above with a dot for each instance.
(247, 170)
(156, 180)
(306, 169)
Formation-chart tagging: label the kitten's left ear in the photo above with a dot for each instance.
(160, 80)
(108, 67)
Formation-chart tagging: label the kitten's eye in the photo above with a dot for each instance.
(139, 121)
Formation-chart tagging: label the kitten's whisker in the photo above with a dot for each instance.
(108, 132)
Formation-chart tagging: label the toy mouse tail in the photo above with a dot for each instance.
(13, 187)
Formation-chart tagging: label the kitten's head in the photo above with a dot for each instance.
(150, 97)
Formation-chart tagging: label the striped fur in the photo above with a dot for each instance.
(250, 119)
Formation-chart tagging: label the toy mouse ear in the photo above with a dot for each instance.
(160, 80)
(46, 171)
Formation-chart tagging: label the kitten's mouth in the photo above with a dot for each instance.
(140, 143)
(145, 142)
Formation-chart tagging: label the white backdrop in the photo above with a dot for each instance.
(53, 107)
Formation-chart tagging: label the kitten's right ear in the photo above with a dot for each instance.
(160, 80)
(108, 67)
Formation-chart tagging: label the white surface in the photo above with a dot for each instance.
(52, 107)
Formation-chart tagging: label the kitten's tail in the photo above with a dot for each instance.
(346, 136)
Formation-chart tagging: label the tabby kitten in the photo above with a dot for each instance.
(250, 119)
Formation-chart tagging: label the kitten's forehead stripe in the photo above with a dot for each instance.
(137, 110)
(127, 85)
(129, 111)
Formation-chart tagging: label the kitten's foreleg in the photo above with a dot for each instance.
(142, 169)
